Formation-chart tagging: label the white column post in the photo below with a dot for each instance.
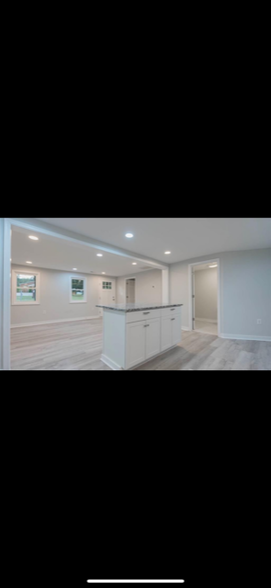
(5, 252)
(165, 286)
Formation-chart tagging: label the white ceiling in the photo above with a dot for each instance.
(186, 238)
(59, 254)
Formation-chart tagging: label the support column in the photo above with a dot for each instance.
(165, 286)
(5, 249)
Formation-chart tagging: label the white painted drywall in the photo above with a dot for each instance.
(148, 287)
(245, 291)
(206, 294)
(55, 299)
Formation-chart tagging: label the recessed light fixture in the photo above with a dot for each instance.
(134, 263)
(99, 254)
(28, 262)
(33, 238)
(103, 272)
(129, 235)
(215, 265)
(167, 252)
(74, 269)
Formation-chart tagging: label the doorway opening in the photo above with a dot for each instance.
(130, 290)
(204, 308)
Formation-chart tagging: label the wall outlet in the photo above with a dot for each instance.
(259, 321)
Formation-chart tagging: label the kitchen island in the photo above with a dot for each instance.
(135, 333)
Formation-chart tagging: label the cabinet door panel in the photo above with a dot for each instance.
(166, 332)
(135, 343)
(152, 337)
(176, 330)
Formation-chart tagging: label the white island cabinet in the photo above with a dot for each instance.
(133, 334)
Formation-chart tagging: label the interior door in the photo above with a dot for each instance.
(107, 293)
(130, 290)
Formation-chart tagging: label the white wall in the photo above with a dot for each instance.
(245, 291)
(206, 294)
(55, 299)
(148, 287)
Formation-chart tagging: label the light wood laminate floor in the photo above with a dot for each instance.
(78, 346)
(205, 327)
(73, 345)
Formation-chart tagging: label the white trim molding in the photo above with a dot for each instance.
(190, 276)
(75, 277)
(14, 301)
(112, 364)
(185, 328)
(125, 284)
(246, 337)
(66, 320)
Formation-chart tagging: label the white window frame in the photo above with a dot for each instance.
(16, 302)
(77, 277)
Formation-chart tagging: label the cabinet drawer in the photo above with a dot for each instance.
(171, 310)
(142, 315)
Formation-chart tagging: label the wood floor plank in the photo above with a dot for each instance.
(62, 346)
(78, 346)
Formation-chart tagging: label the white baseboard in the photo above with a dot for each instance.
(186, 329)
(110, 362)
(66, 320)
(205, 320)
(246, 337)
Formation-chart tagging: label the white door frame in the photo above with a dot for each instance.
(190, 277)
(130, 278)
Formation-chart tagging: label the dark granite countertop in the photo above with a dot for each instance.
(132, 307)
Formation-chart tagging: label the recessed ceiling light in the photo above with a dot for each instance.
(99, 254)
(74, 269)
(129, 235)
(28, 262)
(103, 272)
(215, 265)
(33, 238)
(167, 252)
(134, 263)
